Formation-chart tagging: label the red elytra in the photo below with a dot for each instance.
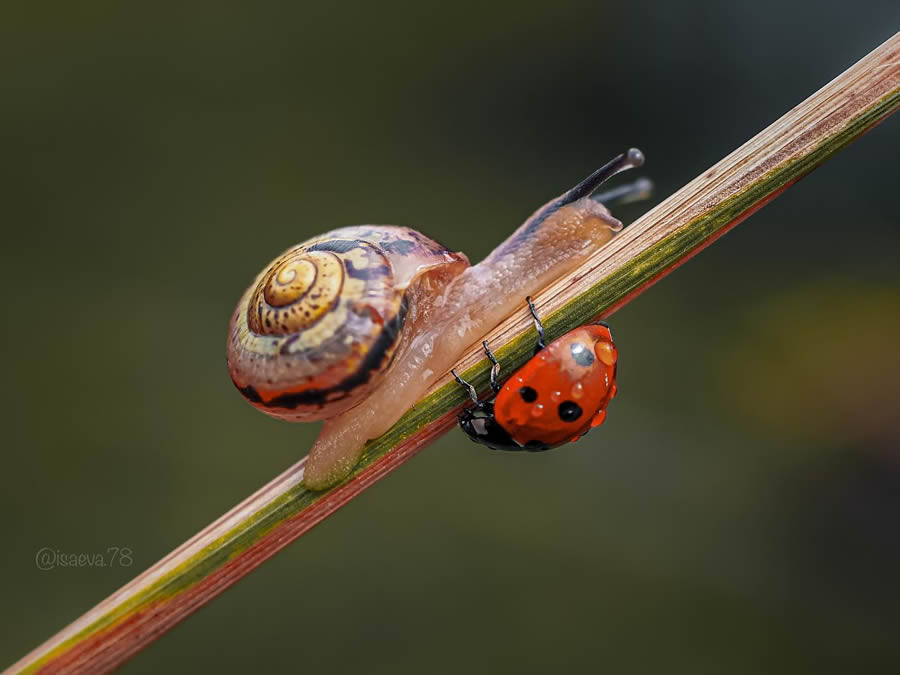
(573, 380)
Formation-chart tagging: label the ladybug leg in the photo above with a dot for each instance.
(538, 326)
(472, 393)
(495, 366)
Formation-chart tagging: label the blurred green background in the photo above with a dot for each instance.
(738, 512)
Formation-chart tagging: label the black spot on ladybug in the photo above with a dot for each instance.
(581, 354)
(569, 411)
(528, 394)
(400, 247)
(535, 445)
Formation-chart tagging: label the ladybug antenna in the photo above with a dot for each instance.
(629, 160)
(635, 191)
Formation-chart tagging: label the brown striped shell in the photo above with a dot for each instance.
(311, 335)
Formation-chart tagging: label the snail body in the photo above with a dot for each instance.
(372, 349)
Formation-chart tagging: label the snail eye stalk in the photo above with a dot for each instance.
(630, 159)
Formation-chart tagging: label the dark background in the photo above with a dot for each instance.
(738, 512)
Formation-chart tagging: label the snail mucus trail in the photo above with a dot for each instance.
(354, 326)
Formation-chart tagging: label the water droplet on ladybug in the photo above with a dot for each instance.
(581, 354)
(577, 390)
(605, 351)
(598, 419)
(556, 396)
(537, 410)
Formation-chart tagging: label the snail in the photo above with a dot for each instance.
(355, 325)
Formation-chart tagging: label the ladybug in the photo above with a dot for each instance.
(559, 395)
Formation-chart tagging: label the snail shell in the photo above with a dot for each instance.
(311, 335)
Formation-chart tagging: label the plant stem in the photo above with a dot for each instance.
(662, 239)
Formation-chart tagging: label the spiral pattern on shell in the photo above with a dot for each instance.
(313, 332)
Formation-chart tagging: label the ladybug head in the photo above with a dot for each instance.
(480, 425)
